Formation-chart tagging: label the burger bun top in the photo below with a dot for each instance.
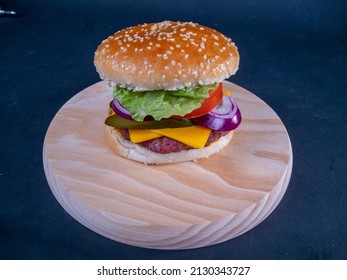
(166, 55)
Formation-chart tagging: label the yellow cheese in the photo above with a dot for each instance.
(194, 136)
(227, 92)
(140, 135)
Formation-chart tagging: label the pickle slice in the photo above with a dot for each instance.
(117, 121)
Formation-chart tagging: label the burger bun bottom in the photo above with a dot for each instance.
(139, 153)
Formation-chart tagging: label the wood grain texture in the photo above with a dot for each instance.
(178, 206)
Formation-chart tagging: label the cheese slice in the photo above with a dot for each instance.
(194, 136)
(141, 135)
(227, 92)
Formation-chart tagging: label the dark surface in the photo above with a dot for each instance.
(293, 56)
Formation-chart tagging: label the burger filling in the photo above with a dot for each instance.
(164, 145)
(166, 121)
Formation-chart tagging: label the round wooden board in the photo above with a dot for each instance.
(178, 206)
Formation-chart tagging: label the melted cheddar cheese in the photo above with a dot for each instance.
(194, 136)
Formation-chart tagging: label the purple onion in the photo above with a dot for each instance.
(225, 117)
(120, 110)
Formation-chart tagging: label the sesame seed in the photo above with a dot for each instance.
(166, 67)
(163, 77)
(205, 56)
(173, 62)
(159, 54)
(178, 46)
(165, 56)
(186, 56)
(216, 43)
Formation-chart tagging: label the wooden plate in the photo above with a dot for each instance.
(178, 206)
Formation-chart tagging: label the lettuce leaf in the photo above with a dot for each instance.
(161, 103)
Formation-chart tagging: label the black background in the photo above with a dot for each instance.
(293, 56)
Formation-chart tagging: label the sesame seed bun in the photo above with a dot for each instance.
(166, 55)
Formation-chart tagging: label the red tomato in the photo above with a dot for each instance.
(208, 104)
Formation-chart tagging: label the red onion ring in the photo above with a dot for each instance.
(120, 110)
(225, 117)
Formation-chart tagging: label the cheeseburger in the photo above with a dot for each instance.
(168, 100)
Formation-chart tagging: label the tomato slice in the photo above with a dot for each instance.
(208, 104)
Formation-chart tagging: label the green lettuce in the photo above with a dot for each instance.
(161, 103)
